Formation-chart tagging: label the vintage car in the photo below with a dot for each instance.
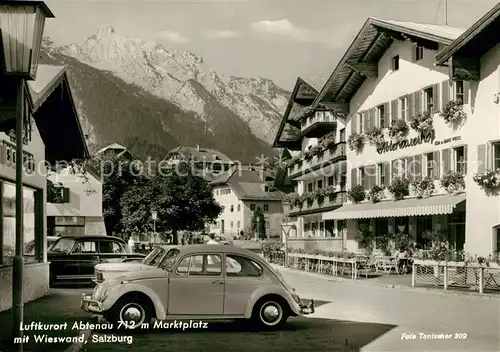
(220, 239)
(73, 258)
(29, 248)
(198, 282)
(107, 271)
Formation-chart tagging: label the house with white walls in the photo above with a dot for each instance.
(317, 138)
(405, 162)
(474, 57)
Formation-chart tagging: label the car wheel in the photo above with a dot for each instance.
(270, 313)
(130, 314)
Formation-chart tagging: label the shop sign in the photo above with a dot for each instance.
(448, 140)
(405, 143)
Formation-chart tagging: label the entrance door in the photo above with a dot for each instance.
(196, 287)
(222, 226)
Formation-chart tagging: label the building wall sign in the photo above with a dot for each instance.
(448, 140)
(405, 143)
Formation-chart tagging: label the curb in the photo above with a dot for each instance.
(77, 346)
(441, 292)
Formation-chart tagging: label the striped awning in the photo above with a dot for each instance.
(435, 205)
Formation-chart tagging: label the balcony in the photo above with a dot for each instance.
(317, 159)
(323, 122)
(320, 200)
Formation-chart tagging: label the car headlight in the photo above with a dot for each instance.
(101, 291)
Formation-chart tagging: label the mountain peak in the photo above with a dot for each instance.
(105, 29)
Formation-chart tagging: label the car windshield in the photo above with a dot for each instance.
(169, 259)
(155, 257)
(63, 245)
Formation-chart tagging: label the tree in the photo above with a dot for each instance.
(182, 200)
(259, 223)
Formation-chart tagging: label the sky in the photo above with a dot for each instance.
(279, 39)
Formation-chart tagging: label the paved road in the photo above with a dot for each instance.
(349, 317)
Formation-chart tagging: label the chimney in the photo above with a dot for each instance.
(197, 147)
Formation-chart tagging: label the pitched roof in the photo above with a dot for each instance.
(474, 33)
(370, 44)
(46, 81)
(113, 146)
(312, 88)
(201, 154)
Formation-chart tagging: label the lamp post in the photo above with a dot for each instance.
(21, 31)
(286, 233)
(154, 215)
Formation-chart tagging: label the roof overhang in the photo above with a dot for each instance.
(360, 61)
(303, 94)
(51, 103)
(479, 38)
(435, 205)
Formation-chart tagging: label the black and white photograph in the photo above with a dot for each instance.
(249, 175)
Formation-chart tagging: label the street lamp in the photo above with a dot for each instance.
(285, 229)
(21, 32)
(154, 215)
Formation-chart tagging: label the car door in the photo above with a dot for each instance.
(85, 256)
(196, 286)
(242, 277)
(111, 251)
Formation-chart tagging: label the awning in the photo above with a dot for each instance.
(435, 205)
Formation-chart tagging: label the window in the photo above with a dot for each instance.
(252, 207)
(419, 52)
(239, 207)
(331, 182)
(238, 225)
(320, 184)
(232, 208)
(459, 90)
(241, 266)
(424, 224)
(429, 165)
(496, 155)
(195, 265)
(110, 247)
(381, 115)
(362, 177)
(364, 225)
(268, 224)
(381, 175)
(216, 192)
(428, 99)
(460, 160)
(402, 168)
(225, 191)
(402, 108)
(381, 230)
(266, 207)
(402, 225)
(232, 224)
(395, 63)
(309, 187)
(83, 247)
(360, 122)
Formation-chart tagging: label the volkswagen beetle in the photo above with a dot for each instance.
(206, 282)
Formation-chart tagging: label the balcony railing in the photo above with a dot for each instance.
(318, 125)
(8, 157)
(309, 164)
(317, 201)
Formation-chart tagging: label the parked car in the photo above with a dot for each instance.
(108, 271)
(73, 258)
(198, 282)
(29, 248)
(220, 239)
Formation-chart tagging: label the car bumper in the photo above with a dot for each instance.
(90, 305)
(306, 309)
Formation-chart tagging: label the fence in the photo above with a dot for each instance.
(472, 276)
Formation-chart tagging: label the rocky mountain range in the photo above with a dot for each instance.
(140, 94)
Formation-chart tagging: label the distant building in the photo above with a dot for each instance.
(241, 191)
(117, 150)
(76, 206)
(209, 163)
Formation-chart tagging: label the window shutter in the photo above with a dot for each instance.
(446, 161)
(445, 92)
(3, 154)
(354, 177)
(386, 114)
(435, 92)
(366, 121)
(466, 92)
(373, 173)
(418, 167)
(414, 53)
(481, 158)
(465, 159)
(410, 169)
(394, 167)
(387, 174)
(417, 102)
(409, 107)
(437, 165)
(354, 123)
(373, 112)
(394, 111)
